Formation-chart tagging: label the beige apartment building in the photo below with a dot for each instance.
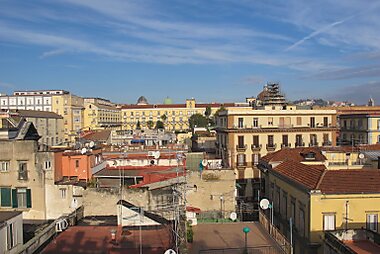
(246, 134)
(100, 114)
(174, 116)
(27, 181)
(359, 125)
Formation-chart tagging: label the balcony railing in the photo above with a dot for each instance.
(241, 165)
(256, 147)
(283, 145)
(271, 147)
(313, 144)
(300, 144)
(241, 148)
(327, 143)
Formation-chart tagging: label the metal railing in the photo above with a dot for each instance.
(275, 233)
(265, 249)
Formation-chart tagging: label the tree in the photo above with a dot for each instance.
(222, 108)
(138, 126)
(150, 124)
(208, 112)
(159, 125)
(198, 120)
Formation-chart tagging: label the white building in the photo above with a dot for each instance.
(30, 100)
(11, 232)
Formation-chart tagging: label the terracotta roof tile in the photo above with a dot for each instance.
(306, 175)
(294, 154)
(351, 181)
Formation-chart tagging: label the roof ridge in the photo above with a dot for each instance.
(321, 179)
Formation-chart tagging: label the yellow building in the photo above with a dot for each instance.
(245, 134)
(174, 116)
(71, 107)
(300, 185)
(100, 114)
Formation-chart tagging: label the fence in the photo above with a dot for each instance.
(250, 250)
(275, 233)
(34, 244)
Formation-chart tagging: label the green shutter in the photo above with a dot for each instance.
(14, 198)
(28, 198)
(5, 197)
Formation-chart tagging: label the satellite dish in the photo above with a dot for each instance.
(264, 204)
(204, 163)
(157, 155)
(361, 156)
(233, 216)
(92, 144)
(170, 251)
(83, 151)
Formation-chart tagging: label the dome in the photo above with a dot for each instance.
(168, 100)
(142, 101)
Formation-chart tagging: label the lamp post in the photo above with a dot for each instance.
(246, 230)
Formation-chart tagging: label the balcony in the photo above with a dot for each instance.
(313, 144)
(271, 147)
(300, 144)
(241, 165)
(256, 147)
(283, 145)
(327, 143)
(241, 148)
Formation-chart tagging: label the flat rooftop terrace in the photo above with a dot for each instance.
(229, 237)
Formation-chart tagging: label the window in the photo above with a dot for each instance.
(325, 121)
(313, 140)
(299, 141)
(77, 163)
(372, 221)
(328, 222)
(255, 122)
(270, 121)
(11, 238)
(241, 141)
(312, 122)
(378, 124)
(255, 141)
(21, 198)
(255, 158)
(240, 122)
(48, 163)
(4, 166)
(63, 193)
(5, 197)
(285, 140)
(299, 120)
(241, 159)
(270, 141)
(22, 170)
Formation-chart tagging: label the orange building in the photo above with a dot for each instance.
(75, 165)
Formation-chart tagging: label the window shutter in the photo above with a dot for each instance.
(6, 197)
(14, 198)
(28, 198)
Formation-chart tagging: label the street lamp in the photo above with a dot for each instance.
(246, 230)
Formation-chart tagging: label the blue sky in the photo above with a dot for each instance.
(212, 50)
